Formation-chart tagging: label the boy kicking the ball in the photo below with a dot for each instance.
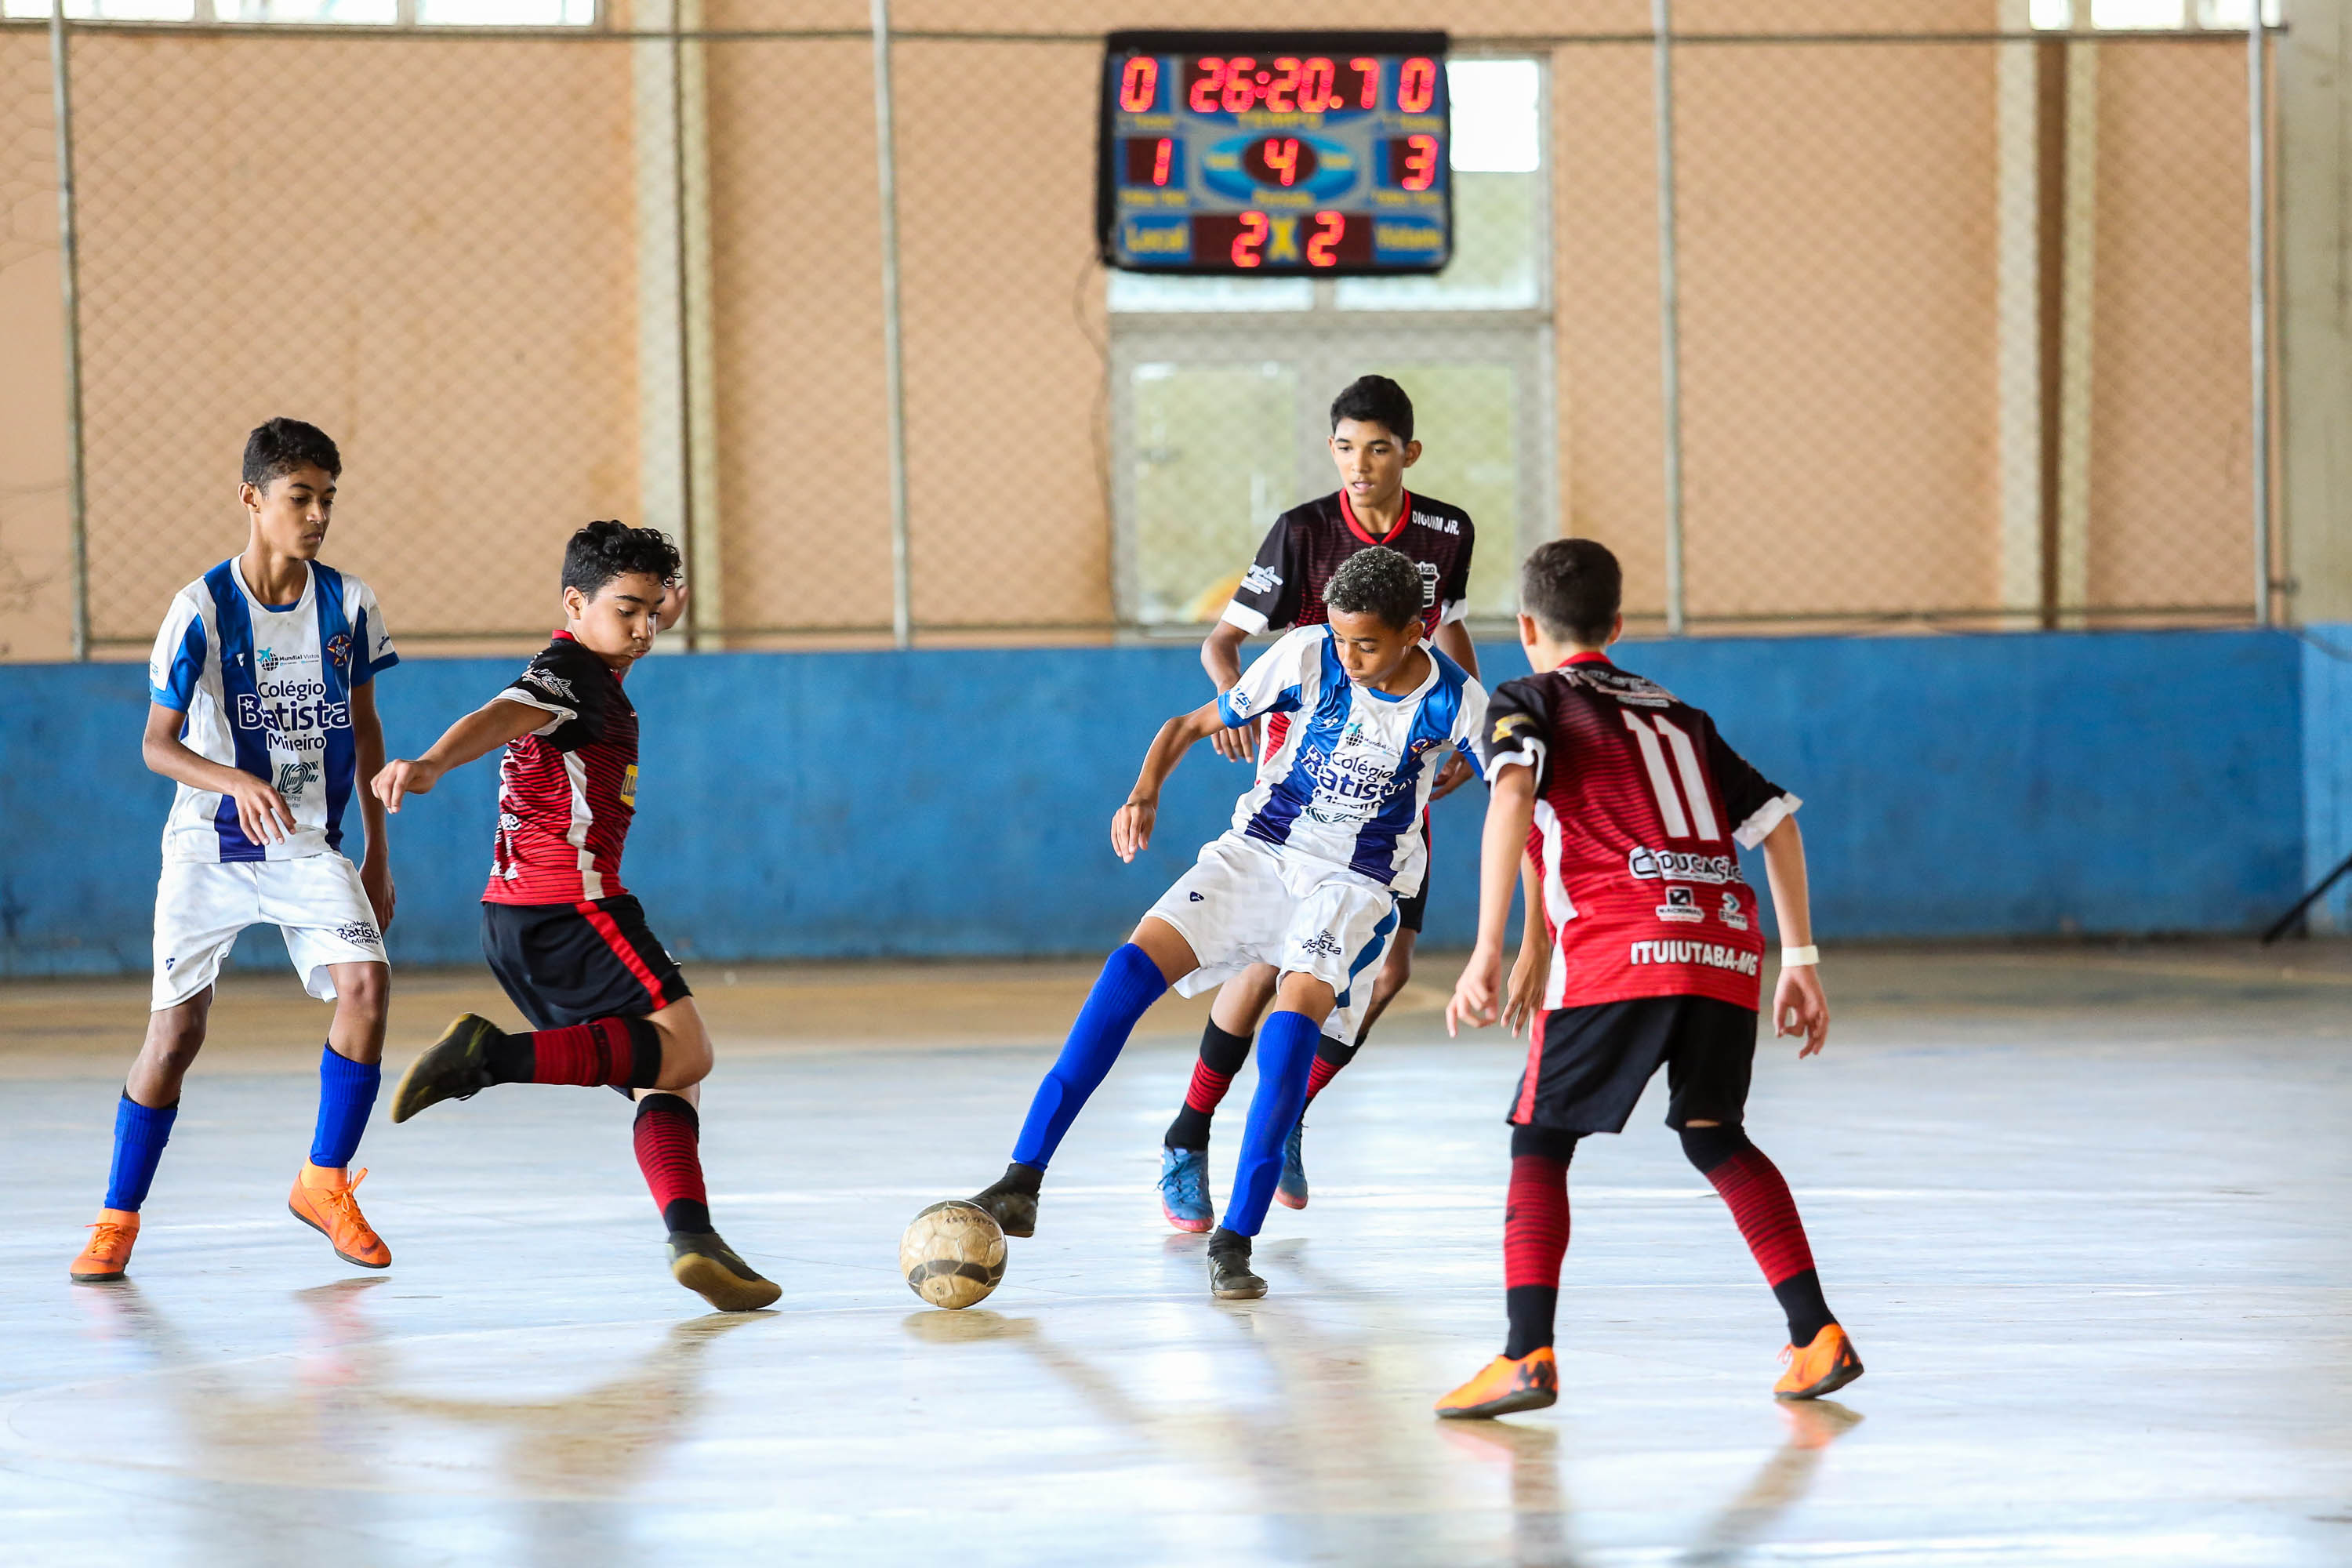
(1630, 804)
(606, 1003)
(1308, 879)
(262, 709)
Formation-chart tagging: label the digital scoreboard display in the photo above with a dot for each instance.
(1246, 154)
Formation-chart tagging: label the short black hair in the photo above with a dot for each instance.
(1375, 400)
(1573, 588)
(278, 447)
(1381, 582)
(603, 551)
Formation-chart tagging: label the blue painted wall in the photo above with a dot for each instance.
(958, 803)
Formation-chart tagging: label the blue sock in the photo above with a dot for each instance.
(346, 1094)
(1130, 984)
(1286, 1054)
(139, 1133)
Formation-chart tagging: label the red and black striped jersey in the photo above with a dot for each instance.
(1283, 586)
(1639, 804)
(567, 790)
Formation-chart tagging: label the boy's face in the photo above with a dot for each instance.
(1371, 651)
(616, 623)
(1372, 461)
(293, 511)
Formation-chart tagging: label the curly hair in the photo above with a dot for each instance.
(603, 551)
(278, 447)
(1381, 582)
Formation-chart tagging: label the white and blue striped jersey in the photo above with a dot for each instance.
(267, 691)
(1347, 780)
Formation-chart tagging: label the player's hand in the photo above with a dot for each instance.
(1238, 745)
(666, 614)
(1529, 973)
(1456, 773)
(1799, 1008)
(261, 811)
(375, 876)
(1130, 828)
(403, 776)
(1473, 1002)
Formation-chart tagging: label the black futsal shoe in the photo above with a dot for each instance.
(1011, 1201)
(1230, 1279)
(709, 1267)
(455, 1066)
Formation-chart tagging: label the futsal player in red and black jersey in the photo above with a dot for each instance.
(1372, 446)
(1629, 806)
(606, 1003)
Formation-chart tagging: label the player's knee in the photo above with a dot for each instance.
(1301, 992)
(1399, 967)
(1707, 1144)
(686, 1054)
(363, 991)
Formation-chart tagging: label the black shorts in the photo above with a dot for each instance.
(567, 963)
(1593, 1063)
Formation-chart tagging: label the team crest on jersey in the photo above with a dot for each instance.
(339, 649)
(1682, 904)
(293, 777)
(1731, 914)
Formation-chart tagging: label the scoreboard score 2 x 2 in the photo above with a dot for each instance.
(1245, 154)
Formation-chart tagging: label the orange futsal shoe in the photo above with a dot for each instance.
(322, 1200)
(1822, 1367)
(108, 1252)
(1504, 1386)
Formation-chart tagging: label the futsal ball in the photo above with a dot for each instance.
(953, 1253)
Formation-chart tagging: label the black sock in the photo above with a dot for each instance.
(1223, 1240)
(1801, 1297)
(1221, 1055)
(510, 1059)
(1533, 1310)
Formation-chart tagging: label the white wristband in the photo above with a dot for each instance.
(1805, 957)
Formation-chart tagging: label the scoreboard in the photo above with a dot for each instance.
(1246, 154)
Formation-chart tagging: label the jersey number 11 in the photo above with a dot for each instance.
(1670, 802)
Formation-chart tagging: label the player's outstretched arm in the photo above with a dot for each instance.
(375, 862)
(1798, 1006)
(1130, 826)
(483, 730)
(1510, 810)
(261, 811)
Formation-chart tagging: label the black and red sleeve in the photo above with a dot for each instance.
(1753, 803)
(1268, 597)
(1519, 732)
(572, 686)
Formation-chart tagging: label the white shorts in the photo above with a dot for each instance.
(1245, 902)
(316, 901)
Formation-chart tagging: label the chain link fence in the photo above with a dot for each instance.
(1957, 321)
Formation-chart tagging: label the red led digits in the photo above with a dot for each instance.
(1250, 243)
(1241, 89)
(1416, 89)
(1278, 161)
(1160, 160)
(1419, 164)
(1208, 80)
(1323, 248)
(1369, 72)
(1286, 82)
(1138, 85)
(1315, 78)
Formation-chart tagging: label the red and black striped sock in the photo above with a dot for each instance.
(1535, 1234)
(669, 1138)
(1766, 1216)
(1221, 1055)
(621, 1053)
(1330, 1056)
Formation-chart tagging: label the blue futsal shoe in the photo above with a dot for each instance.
(1290, 1192)
(1184, 1188)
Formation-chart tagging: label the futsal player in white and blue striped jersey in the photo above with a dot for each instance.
(1322, 848)
(262, 710)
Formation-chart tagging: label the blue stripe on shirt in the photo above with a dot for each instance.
(1319, 739)
(342, 755)
(240, 705)
(188, 671)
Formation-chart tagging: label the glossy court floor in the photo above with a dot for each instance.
(2084, 1211)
